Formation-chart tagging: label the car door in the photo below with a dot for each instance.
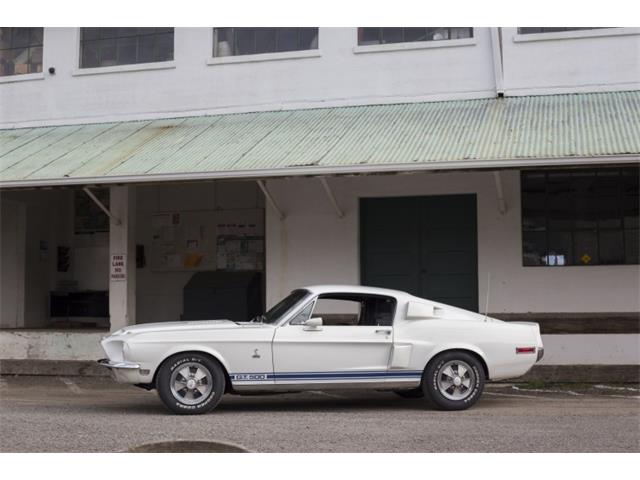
(352, 346)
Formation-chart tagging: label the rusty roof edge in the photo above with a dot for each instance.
(283, 172)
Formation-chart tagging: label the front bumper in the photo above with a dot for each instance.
(123, 372)
(105, 362)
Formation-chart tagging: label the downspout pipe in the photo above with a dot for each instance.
(498, 67)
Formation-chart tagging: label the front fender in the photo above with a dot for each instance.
(190, 347)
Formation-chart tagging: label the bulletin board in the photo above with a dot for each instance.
(208, 240)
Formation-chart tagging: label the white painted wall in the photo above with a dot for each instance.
(338, 76)
(312, 245)
(191, 87)
(577, 61)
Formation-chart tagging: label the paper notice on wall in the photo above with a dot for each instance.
(118, 268)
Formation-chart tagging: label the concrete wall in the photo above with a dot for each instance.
(340, 75)
(312, 245)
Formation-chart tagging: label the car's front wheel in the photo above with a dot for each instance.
(190, 383)
(453, 380)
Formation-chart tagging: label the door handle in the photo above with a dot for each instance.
(386, 331)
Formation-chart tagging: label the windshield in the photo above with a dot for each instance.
(284, 306)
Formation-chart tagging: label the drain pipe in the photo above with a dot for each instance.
(498, 67)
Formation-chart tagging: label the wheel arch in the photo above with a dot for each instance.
(463, 348)
(216, 357)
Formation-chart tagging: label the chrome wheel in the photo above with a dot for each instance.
(191, 383)
(456, 380)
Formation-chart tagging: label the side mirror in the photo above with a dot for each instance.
(313, 324)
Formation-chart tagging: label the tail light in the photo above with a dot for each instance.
(525, 350)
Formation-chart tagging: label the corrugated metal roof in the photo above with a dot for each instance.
(453, 134)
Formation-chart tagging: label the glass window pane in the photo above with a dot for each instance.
(534, 211)
(146, 48)
(90, 55)
(309, 38)
(460, 32)
(534, 248)
(20, 61)
(631, 211)
(35, 59)
(391, 35)
(415, 34)
(108, 32)
(36, 36)
(5, 38)
(222, 42)
(107, 52)
(127, 50)
(611, 247)
(560, 201)
(631, 246)
(6, 63)
(245, 41)
(287, 39)
(165, 47)
(368, 35)
(608, 212)
(265, 40)
(87, 33)
(585, 248)
(20, 37)
(560, 249)
(438, 34)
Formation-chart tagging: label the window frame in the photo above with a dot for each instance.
(574, 34)
(417, 45)
(620, 207)
(260, 57)
(28, 75)
(334, 296)
(126, 67)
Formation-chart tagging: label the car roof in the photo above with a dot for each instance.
(321, 289)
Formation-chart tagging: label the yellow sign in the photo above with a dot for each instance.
(586, 258)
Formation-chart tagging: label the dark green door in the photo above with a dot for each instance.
(426, 246)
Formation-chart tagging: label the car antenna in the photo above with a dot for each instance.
(486, 307)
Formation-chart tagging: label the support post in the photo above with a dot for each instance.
(502, 205)
(270, 199)
(331, 196)
(122, 257)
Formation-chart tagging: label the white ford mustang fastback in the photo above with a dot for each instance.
(366, 338)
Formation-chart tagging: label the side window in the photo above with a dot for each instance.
(335, 311)
(354, 310)
(303, 316)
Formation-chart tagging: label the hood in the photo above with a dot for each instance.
(185, 326)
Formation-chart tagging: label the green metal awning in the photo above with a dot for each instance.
(484, 133)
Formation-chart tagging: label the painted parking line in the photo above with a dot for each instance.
(609, 387)
(540, 390)
(71, 385)
(516, 395)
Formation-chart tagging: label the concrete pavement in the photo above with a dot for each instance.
(94, 414)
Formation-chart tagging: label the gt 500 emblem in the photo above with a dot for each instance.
(251, 376)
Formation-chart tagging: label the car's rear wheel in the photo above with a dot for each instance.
(190, 383)
(453, 381)
(413, 393)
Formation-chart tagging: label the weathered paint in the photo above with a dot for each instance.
(455, 132)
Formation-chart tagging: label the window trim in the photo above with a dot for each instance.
(317, 297)
(129, 67)
(522, 231)
(402, 46)
(23, 77)
(264, 57)
(575, 34)
(27, 76)
(133, 67)
(261, 57)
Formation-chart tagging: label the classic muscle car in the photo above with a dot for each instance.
(322, 337)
